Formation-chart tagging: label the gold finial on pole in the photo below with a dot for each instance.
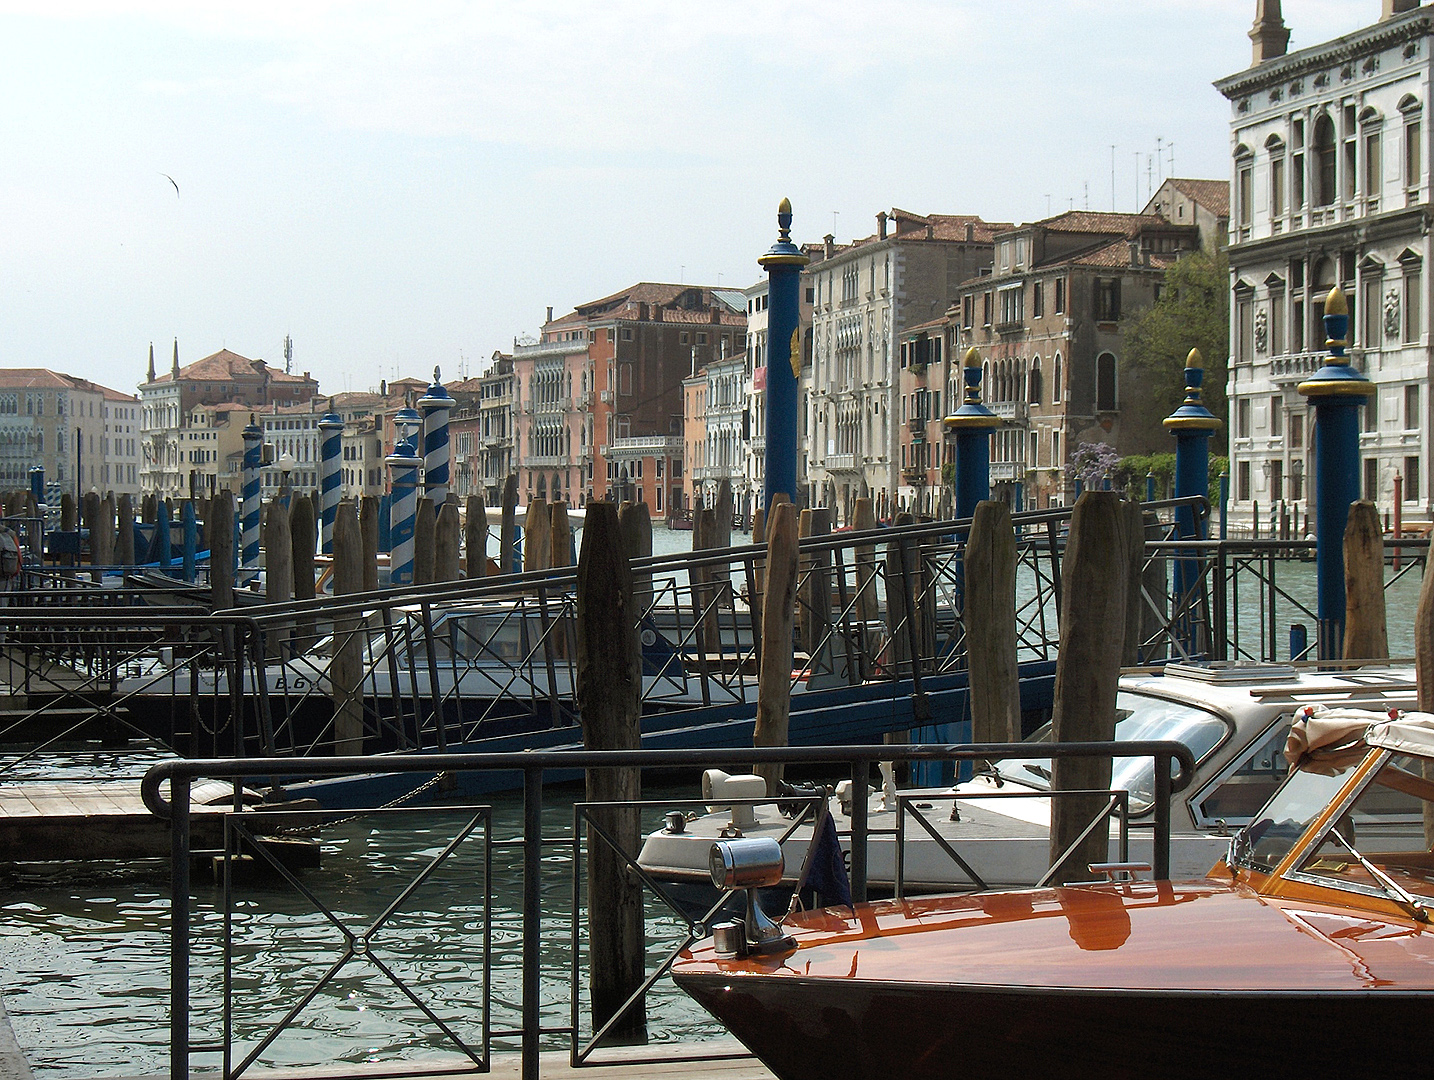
(1195, 360)
(1335, 303)
(973, 358)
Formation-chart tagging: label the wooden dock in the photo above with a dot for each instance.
(44, 821)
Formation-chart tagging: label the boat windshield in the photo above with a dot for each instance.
(1138, 717)
(1263, 843)
(1385, 837)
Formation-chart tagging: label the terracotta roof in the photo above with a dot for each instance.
(1095, 221)
(1116, 255)
(1213, 195)
(624, 305)
(42, 378)
(117, 395)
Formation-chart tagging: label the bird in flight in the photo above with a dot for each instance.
(172, 181)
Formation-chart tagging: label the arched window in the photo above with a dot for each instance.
(1057, 383)
(1035, 381)
(1105, 382)
(1324, 162)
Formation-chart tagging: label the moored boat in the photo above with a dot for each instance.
(1307, 951)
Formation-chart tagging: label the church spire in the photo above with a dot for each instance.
(151, 362)
(174, 369)
(1269, 34)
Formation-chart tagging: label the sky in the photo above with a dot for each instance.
(399, 186)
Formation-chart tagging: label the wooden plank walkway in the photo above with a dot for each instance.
(78, 819)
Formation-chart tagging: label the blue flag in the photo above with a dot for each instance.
(824, 869)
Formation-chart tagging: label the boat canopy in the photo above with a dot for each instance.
(1318, 731)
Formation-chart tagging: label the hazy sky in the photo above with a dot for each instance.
(399, 185)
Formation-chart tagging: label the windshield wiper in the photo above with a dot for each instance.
(1039, 770)
(1391, 887)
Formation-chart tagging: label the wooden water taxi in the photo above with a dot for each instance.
(1307, 951)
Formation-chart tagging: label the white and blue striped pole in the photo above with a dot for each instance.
(249, 513)
(403, 481)
(331, 441)
(435, 405)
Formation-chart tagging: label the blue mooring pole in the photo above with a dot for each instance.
(435, 405)
(973, 424)
(190, 549)
(331, 439)
(37, 485)
(783, 263)
(403, 466)
(1337, 391)
(1192, 424)
(249, 505)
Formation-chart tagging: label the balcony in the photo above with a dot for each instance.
(605, 397)
(1007, 471)
(547, 461)
(916, 477)
(1295, 367)
(549, 348)
(585, 399)
(1012, 411)
(836, 462)
(917, 426)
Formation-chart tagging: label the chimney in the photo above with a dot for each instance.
(930, 231)
(550, 313)
(1392, 8)
(656, 312)
(1135, 253)
(828, 245)
(642, 312)
(881, 225)
(716, 315)
(1269, 35)
(970, 231)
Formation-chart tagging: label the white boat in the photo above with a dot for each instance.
(1233, 717)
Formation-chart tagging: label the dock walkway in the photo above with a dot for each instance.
(85, 819)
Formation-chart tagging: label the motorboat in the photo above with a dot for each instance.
(1307, 951)
(1234, 717)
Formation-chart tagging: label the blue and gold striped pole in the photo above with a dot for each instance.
(435, 405)
(403, 480)
(331, 442)
(249, 509)
(783, 263)
(973, 424)
(1192, 424)
(1337, 391)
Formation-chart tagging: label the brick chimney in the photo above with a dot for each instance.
(970, 231)
(930, 231)
(881, 225)
(828, 245)
(1269, 35)
(656, 312)
(716, 315)
(1392, 8)
(642, 314)
(550, 313)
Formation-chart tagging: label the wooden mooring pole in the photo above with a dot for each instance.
(1366, 634)
(221, 547)
(989, 573)
(1094, 580)
(609, 690)
(475, 538)
(774, 673)
(347, 666)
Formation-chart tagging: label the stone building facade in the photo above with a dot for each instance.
(1330, 185)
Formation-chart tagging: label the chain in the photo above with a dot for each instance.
(427, 785)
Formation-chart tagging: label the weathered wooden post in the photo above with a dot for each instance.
(899, 602)
(425, 526)
(560, 547)
(475, 538)
(221, 547)
(67, 523)
(1094, 577)
(370, 511)
(636, 523)
(447, 533)
(508, 526)
(278, 567)
(1134, 531)
(107, 530)
(346, 669)
(704, 528)
(609, 687)
(537, 537)
(1337, 391)
(189, 540)
(863, 518)
(990, 619)
(125, 538)
(1366, 634)
(304, 537)
(90, 522)
(774, 674)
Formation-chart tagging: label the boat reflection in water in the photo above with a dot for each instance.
(1307, 951)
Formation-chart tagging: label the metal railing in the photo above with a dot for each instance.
(180, 776)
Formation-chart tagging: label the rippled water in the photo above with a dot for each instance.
(84, 954)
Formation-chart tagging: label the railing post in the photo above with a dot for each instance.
(860, 798)
(1161, 861)
(179, 928)
(532, 925)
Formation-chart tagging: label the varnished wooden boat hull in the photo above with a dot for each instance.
(817, 1029)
